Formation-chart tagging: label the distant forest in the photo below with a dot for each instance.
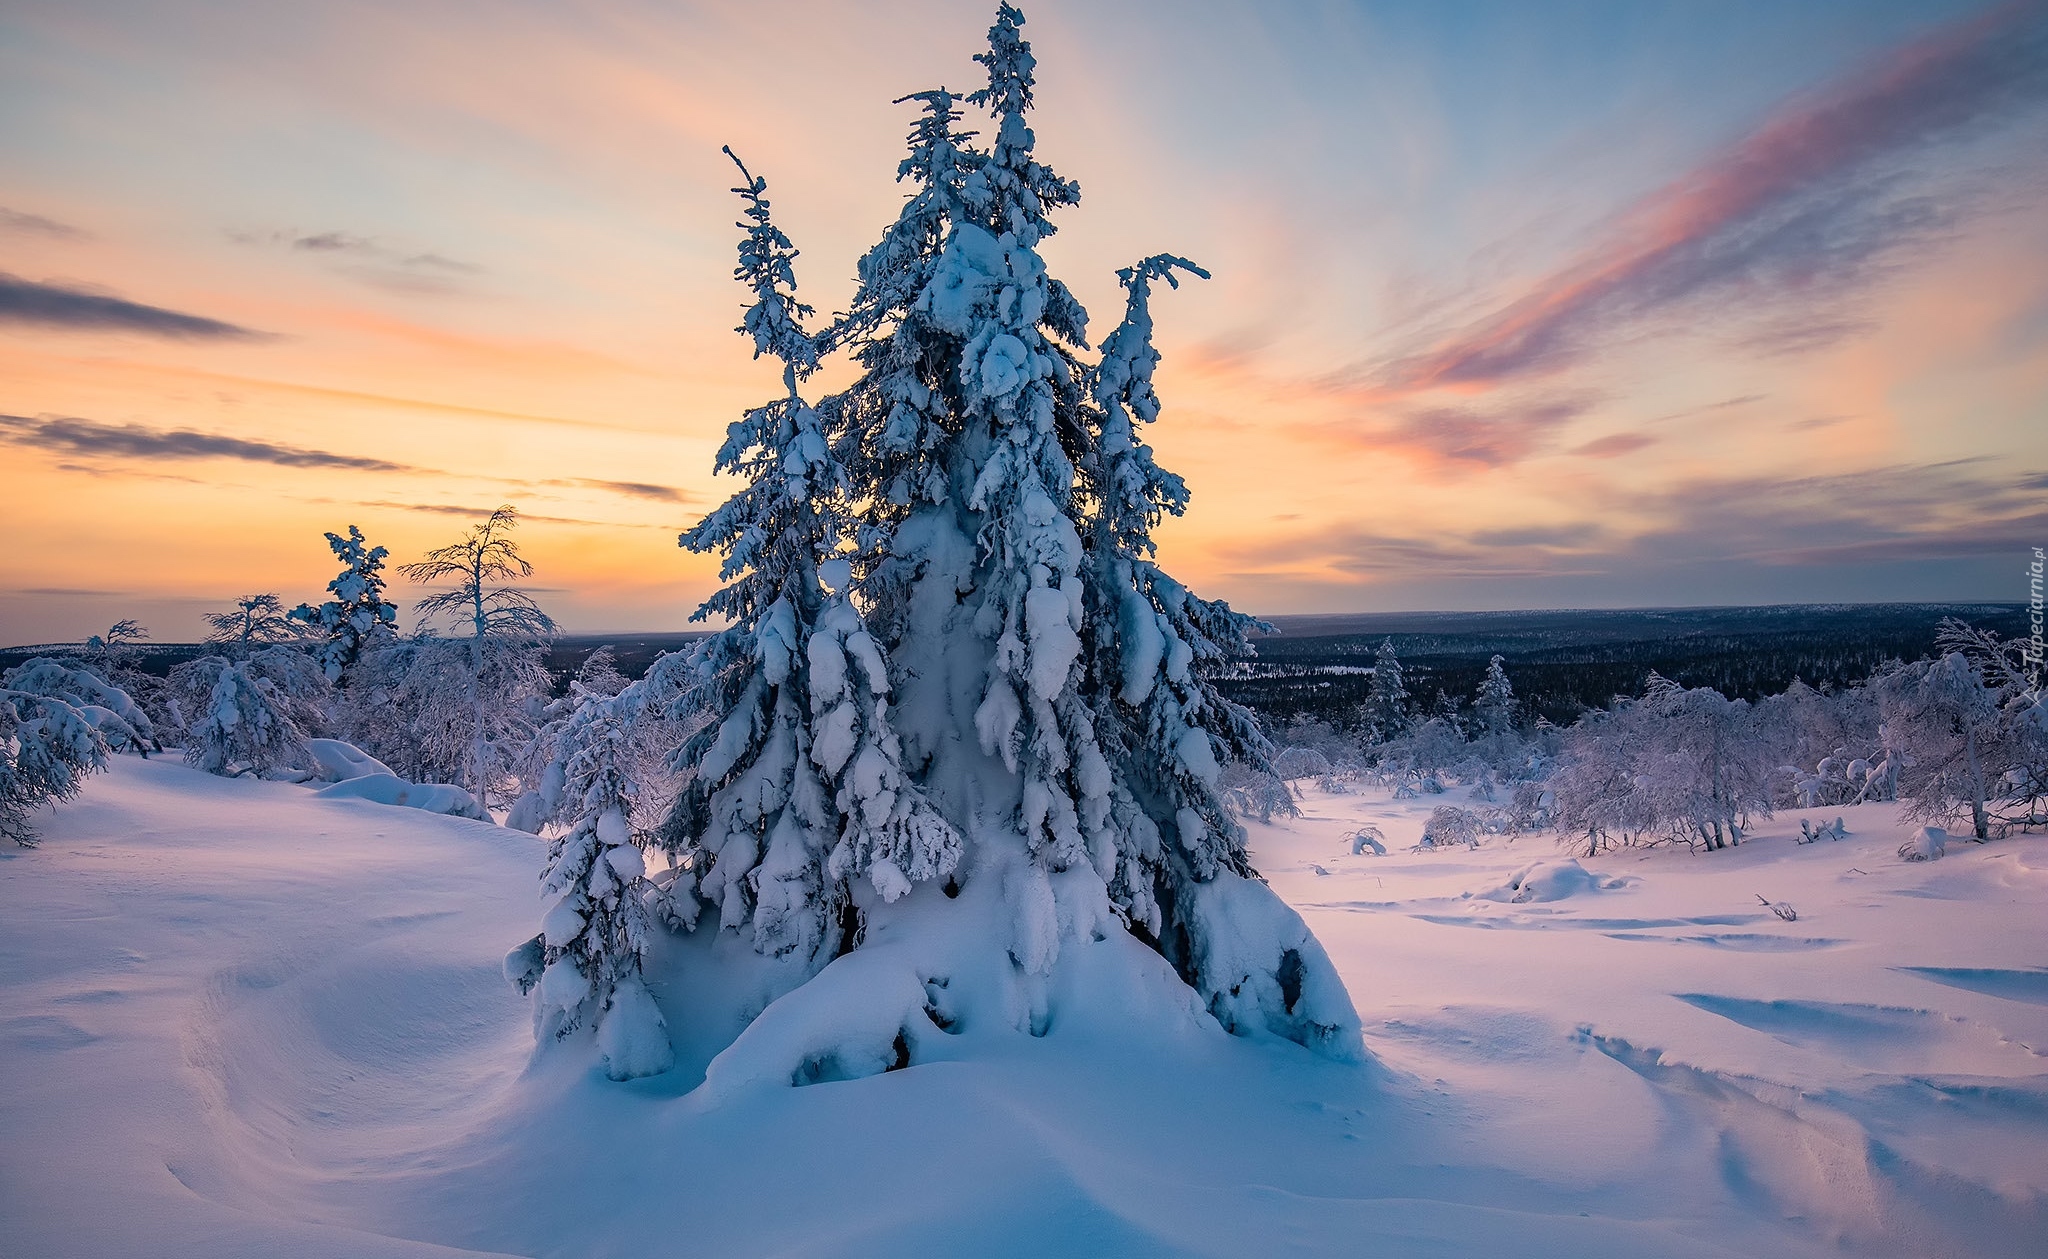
(1561, 663)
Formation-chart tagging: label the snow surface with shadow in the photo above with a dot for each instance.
(240, 1019)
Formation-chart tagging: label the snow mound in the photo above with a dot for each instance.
(335, 761)
(1551, 881)
(1929, 844)
(633, 1037)
(391, 789)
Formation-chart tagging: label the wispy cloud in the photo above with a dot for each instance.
(1458, 440)
(631, 489)
(36, 225)
(1806, 204)
(87, 438)
(370, 260)
(480, 512)
(63, 306)
(1959, 510)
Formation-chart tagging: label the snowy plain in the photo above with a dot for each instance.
(240, 1018)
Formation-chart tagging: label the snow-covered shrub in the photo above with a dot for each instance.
(1546, 881)
(1368, 836)
(1292, 763)
(1812, 834)
(334, 760)
(1969, 734)
(48, 744)
(1676, 765)
(108, 708)
(1449, 826)
(1254, 794)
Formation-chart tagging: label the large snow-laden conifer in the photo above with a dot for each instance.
(797, 787)
(968, 445)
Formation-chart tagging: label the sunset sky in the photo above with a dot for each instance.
(1515, 305)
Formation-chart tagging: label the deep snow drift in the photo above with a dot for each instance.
(243, 1018)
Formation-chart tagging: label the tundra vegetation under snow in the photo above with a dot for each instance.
(957, 778)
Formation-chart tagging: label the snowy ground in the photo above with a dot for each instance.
(238, 1019)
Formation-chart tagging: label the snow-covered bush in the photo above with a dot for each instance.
(49, 742)
(1251, 793)
(1969, 734)
(1676, 765)
(1368, 836)
(105, 706)
(1298, 762)
(1449, 826)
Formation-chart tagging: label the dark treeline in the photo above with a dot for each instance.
(1565, 662)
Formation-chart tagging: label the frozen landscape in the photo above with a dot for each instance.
(962, 882)
(243, 1019)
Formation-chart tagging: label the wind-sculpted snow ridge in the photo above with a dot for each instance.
(264, 1022)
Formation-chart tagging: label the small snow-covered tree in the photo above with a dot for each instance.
(251, 712)
(256, 621)
(1943, 722)
(252, 703)
(358, 615)
(480, 685)
(52, 723)
(585, 965)
(1678, 764)
(1386, 700)
(1494, 706)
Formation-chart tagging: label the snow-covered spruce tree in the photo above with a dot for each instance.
(52, 720)
(358, 616)
(107, 707)
(797, 789)
(1386, 700)
(475, 689)
(1494, 705)
(1163, 725)
(969, 447)
(585, 965)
